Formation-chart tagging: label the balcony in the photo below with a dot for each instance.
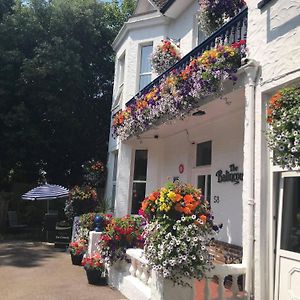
(157, 102)
(233, 31)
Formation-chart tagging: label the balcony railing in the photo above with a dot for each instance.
(233, 31)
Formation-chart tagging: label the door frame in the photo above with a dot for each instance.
(282, 253)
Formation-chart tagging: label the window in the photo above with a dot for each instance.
(120, 80)
(145, 66)
(121, 70)
(203, 169)
(204, 183)
(114, 180)
(201, 36)
(203, 156)
(139, 179)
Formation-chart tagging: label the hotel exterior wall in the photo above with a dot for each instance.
(227, 148)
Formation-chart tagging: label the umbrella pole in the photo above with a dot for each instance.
(47, 206)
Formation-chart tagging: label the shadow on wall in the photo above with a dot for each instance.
(275, 31)
(24, 254)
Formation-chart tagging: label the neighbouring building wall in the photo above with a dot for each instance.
(274, 38)
(274, 42)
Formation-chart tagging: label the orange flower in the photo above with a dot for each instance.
(179, 208)
(203, 218)
(178, 197)
(145, 204)
(152, 197)
(188, 198)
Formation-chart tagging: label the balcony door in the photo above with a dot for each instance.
(287, 285)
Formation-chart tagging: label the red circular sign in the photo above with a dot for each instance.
(181, 168)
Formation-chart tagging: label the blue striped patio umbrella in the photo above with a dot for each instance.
(46, 192)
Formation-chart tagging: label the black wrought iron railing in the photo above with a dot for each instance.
(233, 31)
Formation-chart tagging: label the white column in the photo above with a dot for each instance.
(249, 173)
(124, 179)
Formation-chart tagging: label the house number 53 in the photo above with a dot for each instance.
(216, 199)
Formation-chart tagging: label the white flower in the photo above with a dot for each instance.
(182, 219)
(194, 217)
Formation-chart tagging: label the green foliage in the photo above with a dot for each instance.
(56, 72)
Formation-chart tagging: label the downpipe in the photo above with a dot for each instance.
(251, 68)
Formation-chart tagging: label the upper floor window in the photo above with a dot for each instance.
(121, 70)
(145, 66)
(119, 81)
(203, 154)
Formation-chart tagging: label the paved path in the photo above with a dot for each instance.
(33, 271)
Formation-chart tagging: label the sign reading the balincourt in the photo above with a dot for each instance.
(231, 175)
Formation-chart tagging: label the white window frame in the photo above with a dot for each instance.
(137, 181)
(141, 46)
(120, 77)
(114, 178)
(204, 170)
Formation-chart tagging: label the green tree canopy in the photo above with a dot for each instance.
(56, 72)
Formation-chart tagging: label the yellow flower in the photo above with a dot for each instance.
(172, 196)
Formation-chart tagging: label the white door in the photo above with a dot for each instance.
(287, 284)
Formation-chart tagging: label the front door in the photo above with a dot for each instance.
(287, 285)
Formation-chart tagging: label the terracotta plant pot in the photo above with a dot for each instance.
(95, 277)
(76, 259)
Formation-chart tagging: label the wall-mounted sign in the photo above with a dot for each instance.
(181, 168)
(231, 175)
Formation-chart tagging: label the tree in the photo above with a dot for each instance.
(56, 73)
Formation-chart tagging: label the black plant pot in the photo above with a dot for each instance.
(95, 277)
(76, 259)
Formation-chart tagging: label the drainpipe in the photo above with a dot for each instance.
(251, 69)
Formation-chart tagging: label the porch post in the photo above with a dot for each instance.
(123, 187)
(249, 173)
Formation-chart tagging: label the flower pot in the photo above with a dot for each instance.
(76, 259)
(95, 277)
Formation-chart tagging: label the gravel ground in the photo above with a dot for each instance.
(36, 271)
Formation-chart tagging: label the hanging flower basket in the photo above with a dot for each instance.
(178, 234)
(213, 14)
(166, 54)
(283, 133)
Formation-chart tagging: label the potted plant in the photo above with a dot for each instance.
(121, 234)
(283, 132)
(178, 234)
(166, 54)
(82, 199)
(213, 14)
(77, 250)
(94, 268)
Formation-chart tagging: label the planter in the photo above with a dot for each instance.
(164, 289)
(95, 277)
(76, 259)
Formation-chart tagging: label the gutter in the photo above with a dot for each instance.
(251, 68)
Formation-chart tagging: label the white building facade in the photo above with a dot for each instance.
(221, 136)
